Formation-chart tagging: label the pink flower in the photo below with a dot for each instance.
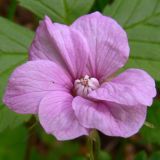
(69, 80)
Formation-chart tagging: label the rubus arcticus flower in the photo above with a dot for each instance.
(70, 83)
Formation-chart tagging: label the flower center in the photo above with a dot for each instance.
(85, 85)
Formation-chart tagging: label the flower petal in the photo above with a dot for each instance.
(107, 41)
(61, 44)
(110, 118)
(30, 82)
(57, 116)
(132, 87)
(43, 46)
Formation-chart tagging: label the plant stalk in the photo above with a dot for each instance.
(94, 145)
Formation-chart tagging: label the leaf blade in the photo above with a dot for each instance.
(142, 24)
(63, 11)
(14, 43)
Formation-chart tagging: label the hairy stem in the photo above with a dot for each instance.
(31, 135)
(93, 145)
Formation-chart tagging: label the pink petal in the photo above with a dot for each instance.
(61, 44)
(132, 87)
(110, 118)
(30, 82)
(107, 41)
(57, 116)
(43, 46)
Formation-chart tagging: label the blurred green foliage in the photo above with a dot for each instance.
(141, 156)
(152, 135)
(13, 143)
(141, 20)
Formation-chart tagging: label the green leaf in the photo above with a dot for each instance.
(13, 144)
(141, 20)
(151, 135)
(141, 156)
(9, 119)
(14, 38)
(64, 11)
(14, 43)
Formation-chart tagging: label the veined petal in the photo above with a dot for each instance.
(61, 44)
(132, 87)
(30, 82)
(107, 41)
(43, 46)
(57, 116)
(111, 119)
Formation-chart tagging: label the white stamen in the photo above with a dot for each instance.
(85, 85)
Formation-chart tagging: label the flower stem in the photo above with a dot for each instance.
(94, 145)
(31, 137)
